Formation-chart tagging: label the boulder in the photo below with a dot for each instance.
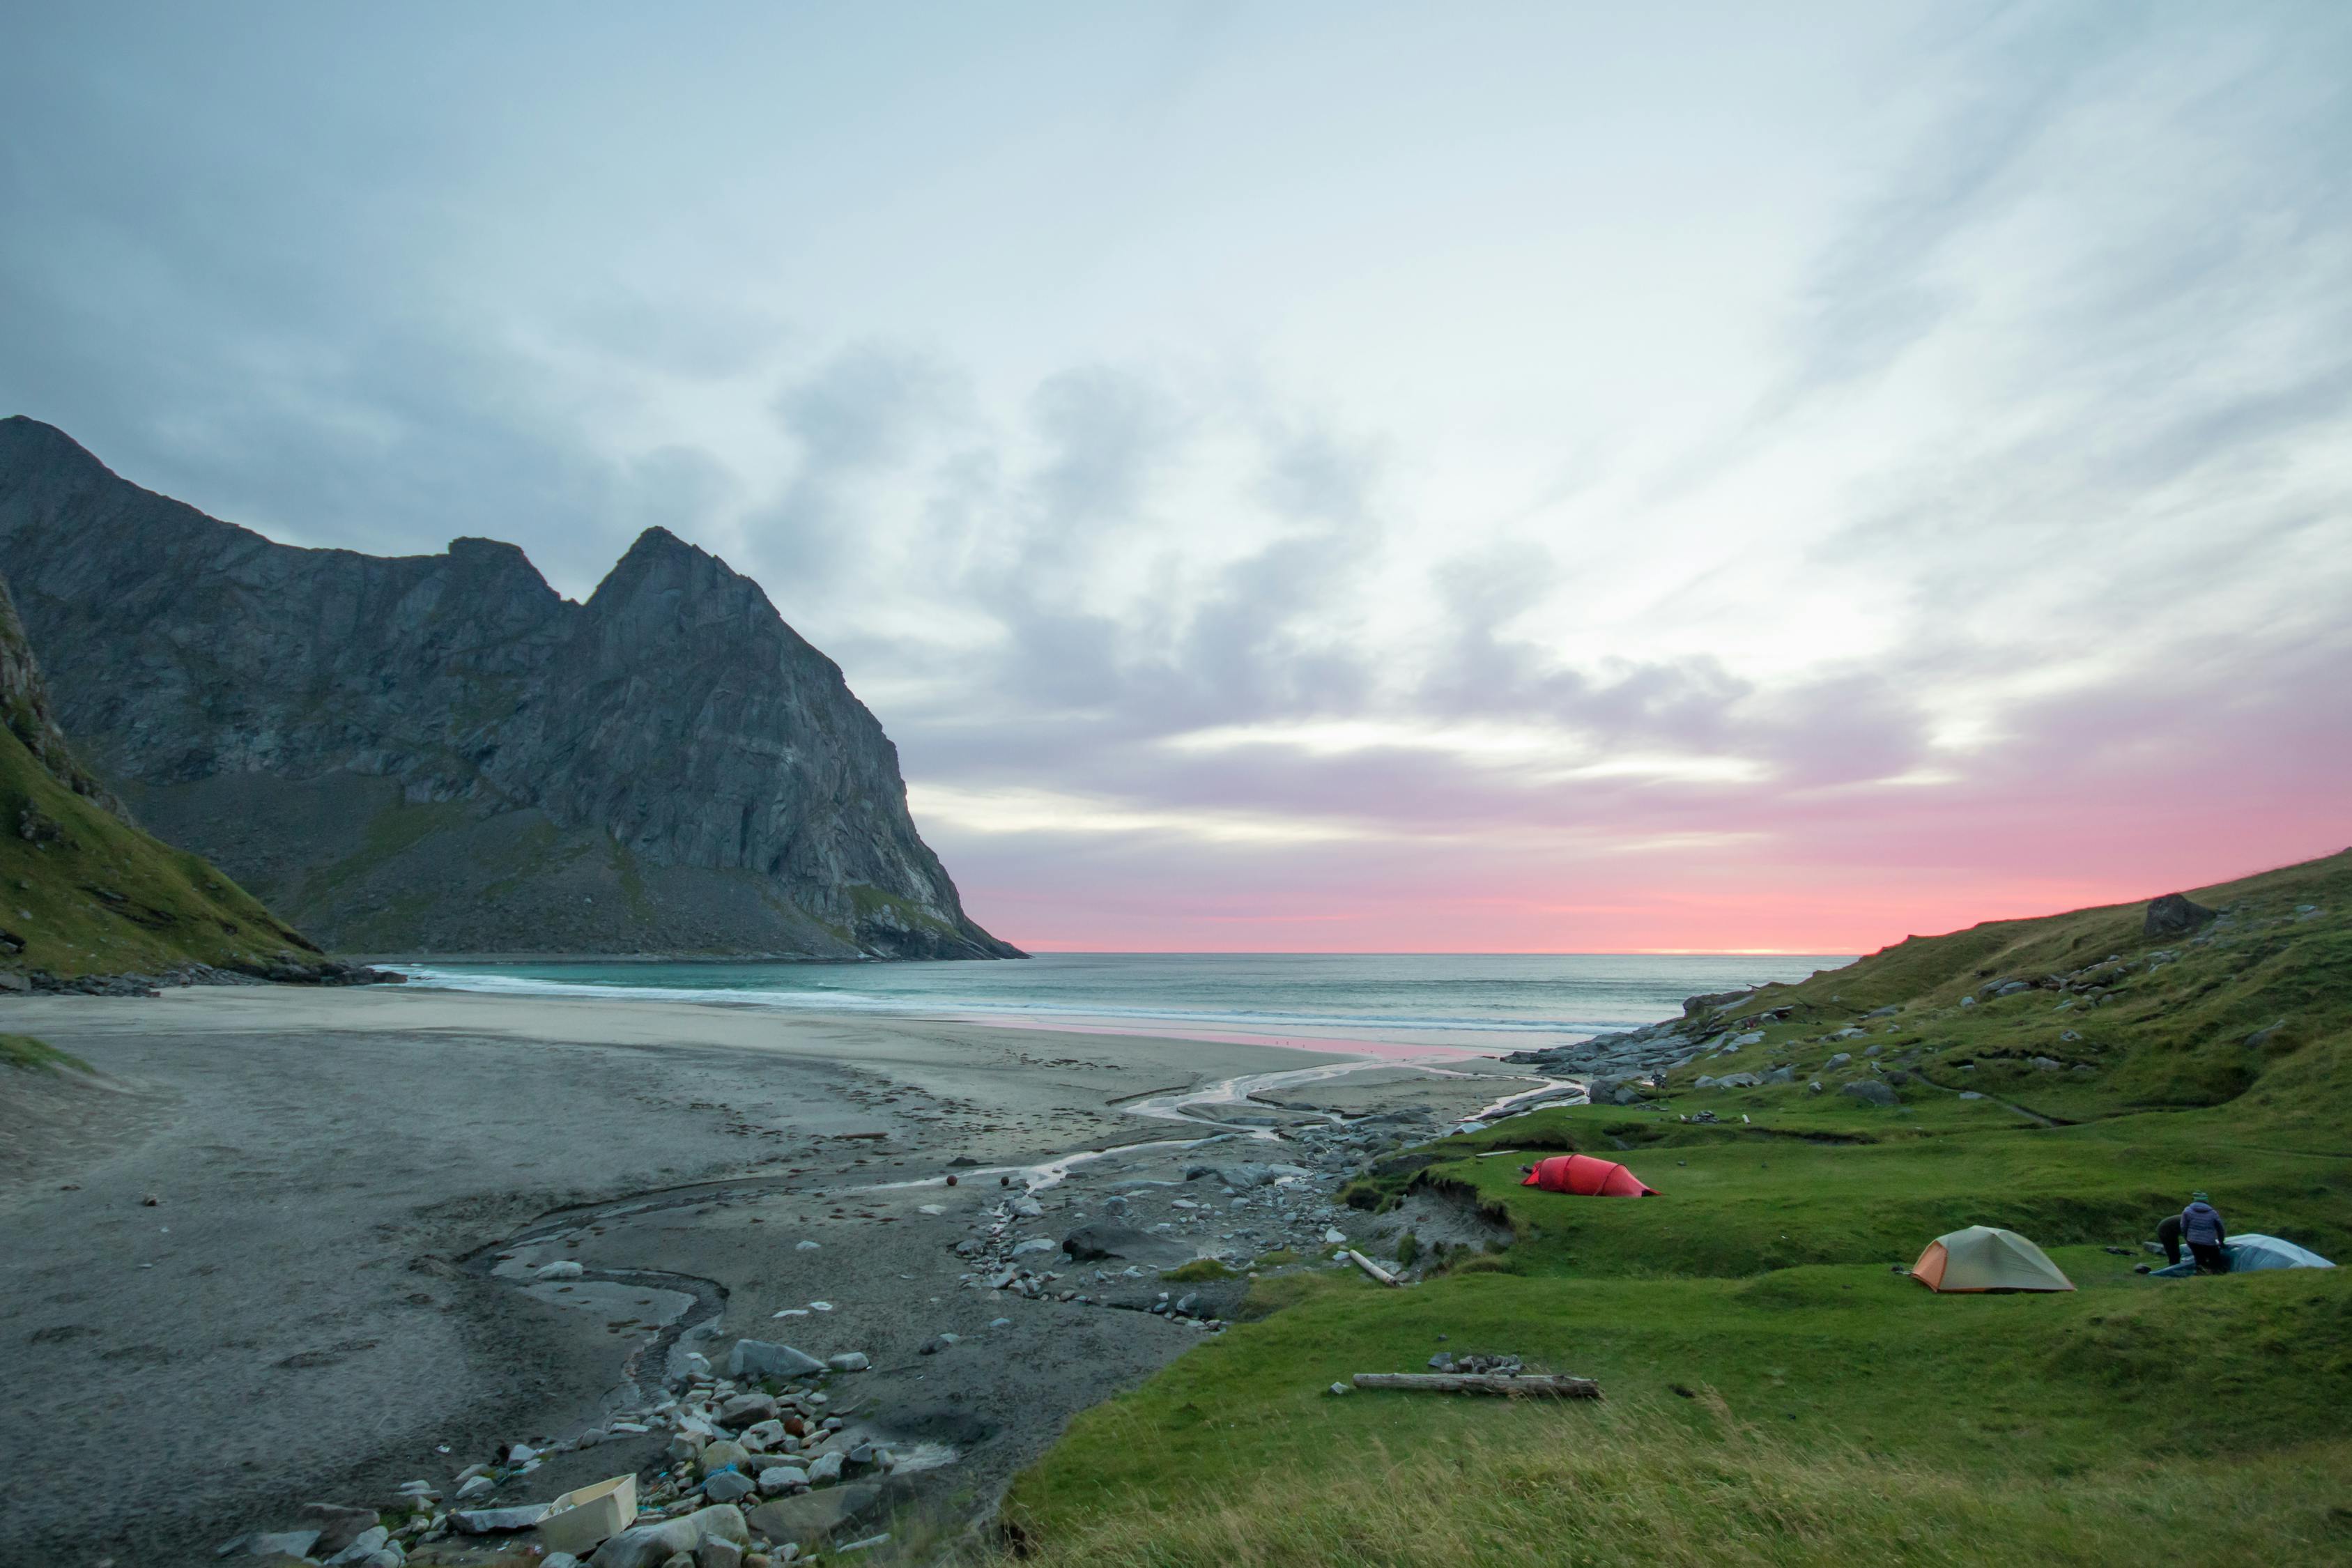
(283, 1542)
(778, 1479)
(746, 1409)
(764, 1358)
(491, 1520)
(1837, 1061)
(720, 1455)
(364, 1545)
(815, 1514)
(849, 1360)
(1738, 1081)
(339, 1525)
(1781, 1075)
(729, 1486)
(1870, 1091)
(650, 1545)
(2175, 915)
(1091, 1243)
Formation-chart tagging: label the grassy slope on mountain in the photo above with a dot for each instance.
(104, 898)
(1776, 1393)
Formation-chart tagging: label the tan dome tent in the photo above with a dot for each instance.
(1983, 1258)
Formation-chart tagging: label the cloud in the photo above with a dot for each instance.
(1926, 498)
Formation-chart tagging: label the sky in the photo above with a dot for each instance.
(1317, 476)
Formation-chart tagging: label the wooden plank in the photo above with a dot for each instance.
(1526, 1386)
(1375, 1270)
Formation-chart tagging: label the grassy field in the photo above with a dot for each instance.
(92, 895)
(1777, 1393)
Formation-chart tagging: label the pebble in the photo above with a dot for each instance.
(849, 1360)
(564, 1270)
(820, 1305)
(804, 1247)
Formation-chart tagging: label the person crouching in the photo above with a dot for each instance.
(2202, 1227)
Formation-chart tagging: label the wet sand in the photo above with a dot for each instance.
(316, 1306)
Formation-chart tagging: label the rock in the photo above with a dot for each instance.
(1341, 1388)
(1781, 1075)
(476, 1486)
(1837, 1061)
(1753, 1038)
(1705, 1080)
(848, 1361)
(1035, 1244)
(559, 1560)
(1870, 1091)
(717, 1551)
(1027, 1208)
(1334, 1236)
(2175, 915)
(1091, 1243)
(825, 1469)
(1886, 1012)
(2046, 1063)
(285, 1542)
(339, 1525)
(563, 1271)
(778, 1479)
(1738, 1081)
(718, 1456)
(1815, 1087)
(361, 1547)
(729, 1486)
(1970, 1094)
(491, 1520)
(765, 1358)
(1873, 1050)
(746, 1409)
(2069, 1036)
(817, 1513)
(651, 1546)
(804, 1247)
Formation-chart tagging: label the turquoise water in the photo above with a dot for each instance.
(1502, 1002)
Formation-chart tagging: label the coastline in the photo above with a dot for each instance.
(317, 1292)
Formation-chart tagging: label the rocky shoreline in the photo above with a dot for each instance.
(862, 1202)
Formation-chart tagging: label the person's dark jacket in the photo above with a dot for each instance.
(2201, 1225)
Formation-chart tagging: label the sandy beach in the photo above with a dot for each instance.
(284, 1247)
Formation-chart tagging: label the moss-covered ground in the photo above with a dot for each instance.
(1777, 1389)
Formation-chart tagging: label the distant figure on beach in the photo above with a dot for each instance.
(2202, 1227)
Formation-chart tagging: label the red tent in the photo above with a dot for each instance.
(1587, 1177)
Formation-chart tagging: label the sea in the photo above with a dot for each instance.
(1444, 1002)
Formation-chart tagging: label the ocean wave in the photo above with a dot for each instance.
(826, 999)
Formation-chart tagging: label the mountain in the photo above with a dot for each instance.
(439, 753)
(83, 892)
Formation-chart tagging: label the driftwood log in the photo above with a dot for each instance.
(1375, 1270)
(1526, 1386)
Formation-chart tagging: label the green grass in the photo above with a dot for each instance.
(1776, 1393)
(103, 898)
(27, 1054)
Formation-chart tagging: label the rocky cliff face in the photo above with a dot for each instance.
(440, 753)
